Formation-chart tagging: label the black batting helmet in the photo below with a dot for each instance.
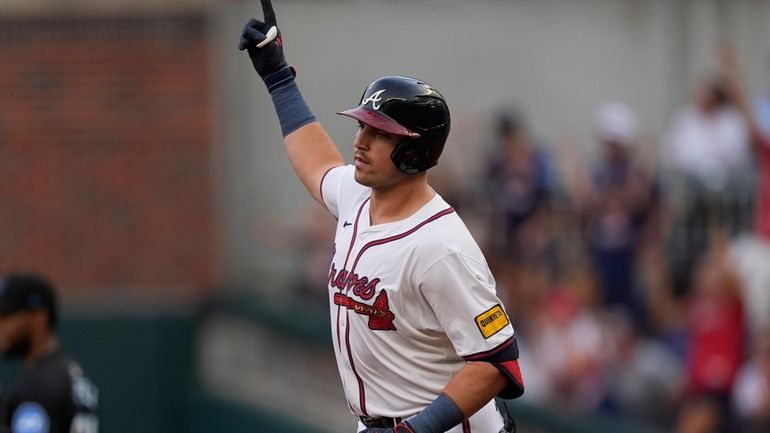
(412, 109)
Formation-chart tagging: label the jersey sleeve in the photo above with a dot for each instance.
(339, 189)
(461, 292)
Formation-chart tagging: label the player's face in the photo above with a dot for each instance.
(372, 149)
(15, 334)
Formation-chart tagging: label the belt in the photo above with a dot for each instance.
(378, 422)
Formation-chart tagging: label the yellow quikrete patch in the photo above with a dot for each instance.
(491, 321)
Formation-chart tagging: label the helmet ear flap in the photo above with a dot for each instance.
(412, 156)
(406, 156)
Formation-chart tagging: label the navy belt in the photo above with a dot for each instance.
(378, 422)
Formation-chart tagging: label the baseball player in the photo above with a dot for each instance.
(51, 395)
(422, 342)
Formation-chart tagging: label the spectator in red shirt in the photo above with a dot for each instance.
(716, 327)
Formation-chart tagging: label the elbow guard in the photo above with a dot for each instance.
(505, 358)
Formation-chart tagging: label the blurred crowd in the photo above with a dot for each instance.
(638, 287)
(642, 288)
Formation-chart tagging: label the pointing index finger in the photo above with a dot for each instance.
(267, 10)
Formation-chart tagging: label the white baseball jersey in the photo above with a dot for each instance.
(411, 301)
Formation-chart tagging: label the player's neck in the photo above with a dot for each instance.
(41, 346)
(399, 201)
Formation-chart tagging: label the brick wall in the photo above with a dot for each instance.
(105, 133)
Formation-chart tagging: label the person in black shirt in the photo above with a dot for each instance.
(51, 395)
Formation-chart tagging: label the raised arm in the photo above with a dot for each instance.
(731, 71)
(311, 151)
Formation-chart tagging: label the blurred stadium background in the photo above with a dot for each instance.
(141, 169)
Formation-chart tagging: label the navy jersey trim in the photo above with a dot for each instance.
(466, 426)
(347, 257)
(444, 212)
(361, 393)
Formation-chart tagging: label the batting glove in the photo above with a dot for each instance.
(263, 42)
